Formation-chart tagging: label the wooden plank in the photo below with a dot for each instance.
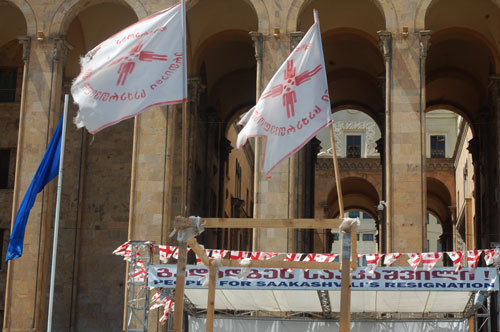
(345, 285)
(212, 277)
(312, 223)
(179, 287)
(354, 249)
(198, 250)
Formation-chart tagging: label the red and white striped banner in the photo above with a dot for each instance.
(428, 260)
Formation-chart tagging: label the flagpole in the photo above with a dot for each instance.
(336, 170)
(182, 261)
(345, 289)
(56, 223)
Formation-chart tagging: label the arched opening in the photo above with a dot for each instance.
(13, 25)
(439, 222)
(461, 65)
(355, 69)
(435, 236)
(358, 14)
(361, 198)
(356, 135)
(224, 63)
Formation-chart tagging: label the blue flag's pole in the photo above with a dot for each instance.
(56, 223)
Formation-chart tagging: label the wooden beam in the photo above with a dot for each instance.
(312, 223)
(212, 277)
(179, 287)
(198, 250)
(354, 249)
(345, 286)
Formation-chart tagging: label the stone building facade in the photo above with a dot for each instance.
(393, 60)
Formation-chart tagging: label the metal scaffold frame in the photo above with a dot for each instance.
(141, 256)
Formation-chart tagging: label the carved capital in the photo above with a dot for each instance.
(295, 38)
(195, 89)
(385, 43)
(425, 42)
(61, 48)
(26, 42)
(258, 41)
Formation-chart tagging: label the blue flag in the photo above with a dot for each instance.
(47, 170)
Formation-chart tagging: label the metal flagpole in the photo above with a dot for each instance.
(56, 223)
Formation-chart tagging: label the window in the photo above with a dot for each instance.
(367, 237)
(8, 78)
(4, 168)
(335, 236)
(353, 146)
(439, 246)
(354, 214)
(438, 143)
(367, 216)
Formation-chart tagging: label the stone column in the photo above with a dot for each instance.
(151, 183)
(425, 36)
(195, 89)
(271, 196)
(495, 109)
(146, 218)
(404, 149)
(385, 43)
(39, 114)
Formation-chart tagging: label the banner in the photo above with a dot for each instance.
(387, 279)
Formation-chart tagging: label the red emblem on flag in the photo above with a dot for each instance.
(128, 62)
(287, 89)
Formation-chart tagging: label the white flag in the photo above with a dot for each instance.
(295, 105)
(142, 66)
(415, 260)
(430, 259)
(456, 258)
(391, 258)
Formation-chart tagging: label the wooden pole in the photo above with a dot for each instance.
(337, 177)
(211, 298)
(182, 261)
(345, 290)
(179, 286)
(345, 285)
(304, 223)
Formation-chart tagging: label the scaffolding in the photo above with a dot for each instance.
(137, 294)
